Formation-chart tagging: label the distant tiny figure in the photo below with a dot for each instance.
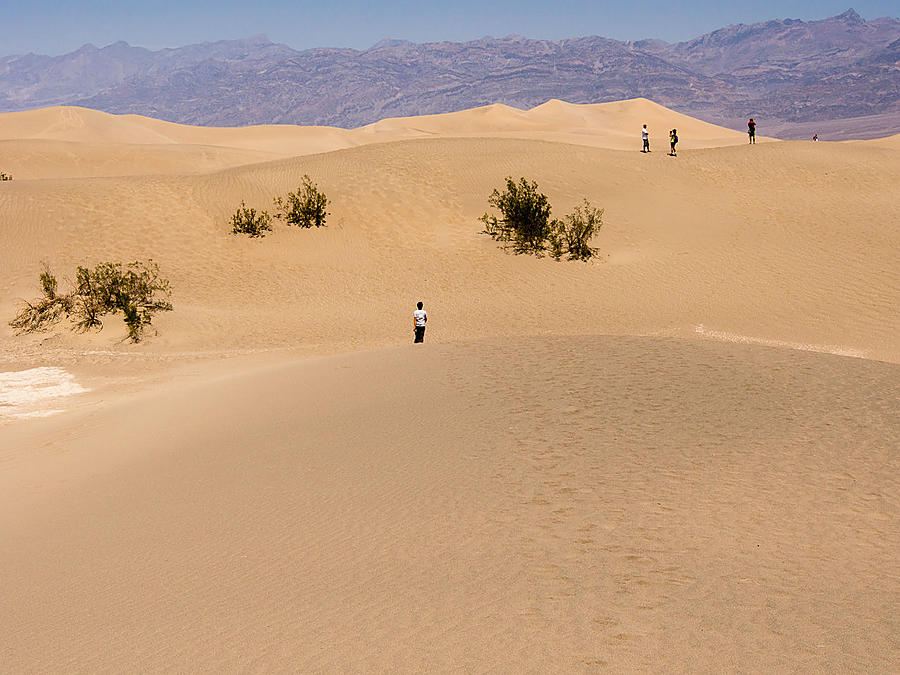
(673, 140)
(420, 318)
(815, 137)
(751, 130)
(645, 136)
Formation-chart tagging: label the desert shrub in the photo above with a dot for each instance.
(248, 221)
(48, 283)
(46, 310)
(135, 289)
(525, 217)
(305, 207)
(134, 321)
(86, 305)
(525, 223)
(112, 287)
(39, 315)
(573, 235)
(556, 240)
(5, 176)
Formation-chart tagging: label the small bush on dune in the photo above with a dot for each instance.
(525, 223)
(110, 288)
(248, 221)
(135, 289)
(46, 310)
(305, 207)
(572, 237)
(5, 176)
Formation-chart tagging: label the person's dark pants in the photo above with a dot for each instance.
(646, 145)
(420, 334)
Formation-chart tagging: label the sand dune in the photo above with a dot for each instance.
(112, 145)
(603, 125)
(679, 456)
(69, 123)
(606, 125)
(30, 159)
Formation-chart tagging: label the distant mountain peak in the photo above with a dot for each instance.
(260, 39)
(391, 42)
(850, 16)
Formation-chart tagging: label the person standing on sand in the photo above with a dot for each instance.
(751, 130)
(673, 140)
(645, 136)
(815, 137)
(420, 318)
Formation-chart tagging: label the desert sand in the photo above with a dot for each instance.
(681, 456)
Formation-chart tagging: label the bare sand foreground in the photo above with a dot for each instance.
(682, 456)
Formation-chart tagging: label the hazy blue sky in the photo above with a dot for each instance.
(57, 27)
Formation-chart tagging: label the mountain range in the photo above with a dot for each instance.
(840, 74)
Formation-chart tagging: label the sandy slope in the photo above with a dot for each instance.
(711, 486)
(540, 504)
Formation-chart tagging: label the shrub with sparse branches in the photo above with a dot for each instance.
(572, 236)
(305, 207)
(135, 289)
(248, 221)
(5, 176)
(46, 310)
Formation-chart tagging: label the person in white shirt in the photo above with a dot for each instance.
(645, 136)
(420, 318)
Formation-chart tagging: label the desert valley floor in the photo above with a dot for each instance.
(681, 456)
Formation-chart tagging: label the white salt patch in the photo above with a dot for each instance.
(23, 392)
(744, 339)
(35, 413)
